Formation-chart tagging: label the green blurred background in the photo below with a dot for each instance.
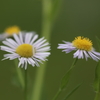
(75, 18)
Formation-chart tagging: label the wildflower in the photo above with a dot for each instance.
(9, 32)
(26, 49)
(83, 46)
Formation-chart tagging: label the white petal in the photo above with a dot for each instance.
(25, 63)
(11, 41)
(93, 56)
(68, 47)
(64, 46)
(68, 50)
(21, 61)
(31, 61)
(38, 41)
(12, 56)
(36, 62)
(28, 37)
(86, 55)
(8, 49)
(43, 54)
(8, 44)
(43, 49)
(21, 38)
(17, 39)
(45, 44)
(96, 53)
(76, 54)
(80, 54)
(34, 38)
(3, 36)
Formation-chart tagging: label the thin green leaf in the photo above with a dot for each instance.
(66, 77)
(19, 74)
(70, 93)
(96, 83)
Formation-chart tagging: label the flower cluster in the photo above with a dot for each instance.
(28, 49)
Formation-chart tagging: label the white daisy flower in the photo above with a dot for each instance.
(83, 46)
(9, 32)
(26, 49)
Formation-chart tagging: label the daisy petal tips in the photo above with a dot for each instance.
(82, 46)
(27, 49)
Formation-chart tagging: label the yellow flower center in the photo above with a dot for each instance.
(82, 43)
(25, 50)
(12, 30)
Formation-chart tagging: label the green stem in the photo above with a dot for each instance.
(46, 18)
(25, 90)
(19, 74)
(37, 89)
(73, 64)
(97, 82)
(46, 30)
(97, 97)
(57, 94)
(65, 80)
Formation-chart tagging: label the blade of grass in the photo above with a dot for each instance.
(70, 93)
